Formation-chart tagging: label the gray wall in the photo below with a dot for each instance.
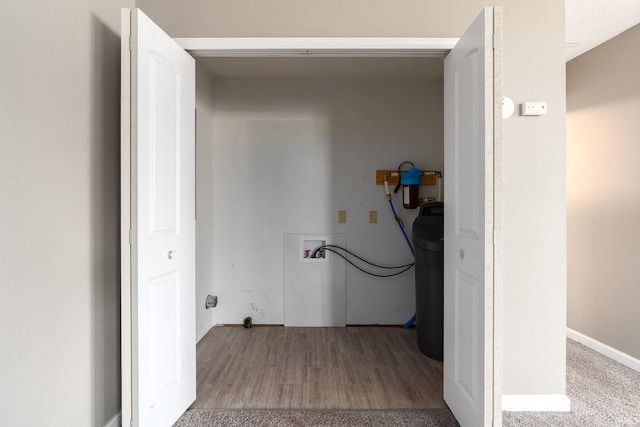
(603, 192)
(60, 212)
(534, 193)
(204, 205)
(534, 148)
(287, 154)
(59, 172)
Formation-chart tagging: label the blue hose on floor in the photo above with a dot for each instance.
(399, 221)
(409, 322)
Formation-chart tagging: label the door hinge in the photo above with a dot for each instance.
(130, 43)
(493, 40)
(131, 237)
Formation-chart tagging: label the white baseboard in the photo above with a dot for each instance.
(604, 349)
(536, 403)
(116, 421)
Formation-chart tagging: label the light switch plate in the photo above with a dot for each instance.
(342, 217)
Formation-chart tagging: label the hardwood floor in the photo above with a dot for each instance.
(315, 368)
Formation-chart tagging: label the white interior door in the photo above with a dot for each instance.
(159, 380)
(469, 98)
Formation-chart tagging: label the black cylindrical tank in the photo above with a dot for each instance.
(428, 241)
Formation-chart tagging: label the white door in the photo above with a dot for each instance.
(159, 379)
(469, 96)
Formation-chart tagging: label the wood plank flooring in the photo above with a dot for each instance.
(315, 368)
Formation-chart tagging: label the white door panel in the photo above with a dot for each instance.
(469, 214)
(162, 216)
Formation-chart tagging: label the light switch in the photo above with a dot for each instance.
(342, 217)
(373, 217)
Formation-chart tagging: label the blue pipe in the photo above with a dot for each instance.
(395, 215)
(402, 229)
(409, 322)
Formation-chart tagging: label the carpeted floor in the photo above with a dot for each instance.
(603, 393)
(297, 418)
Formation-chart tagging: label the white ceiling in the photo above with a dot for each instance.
(590, 23)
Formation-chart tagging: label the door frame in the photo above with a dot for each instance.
(125, 221)
(256, 47)
(390, 47)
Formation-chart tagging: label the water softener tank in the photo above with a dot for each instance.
(428, 241)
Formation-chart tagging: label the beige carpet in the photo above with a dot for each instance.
(290, 418)
(603, 393)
